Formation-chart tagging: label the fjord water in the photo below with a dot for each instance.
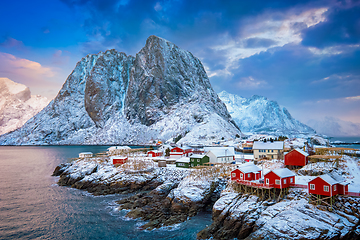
(33, 206)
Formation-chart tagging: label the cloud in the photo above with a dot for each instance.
(258, 43)
(342, 26)
(12, 43)
(41, 80)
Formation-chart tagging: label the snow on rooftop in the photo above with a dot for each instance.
(249, 167)
(302, 152)
(327, 178)
(197, 156)
(230, 150)
(268, 145)
(183, 160)
(283, 172)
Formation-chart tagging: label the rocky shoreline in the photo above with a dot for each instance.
(168, 196)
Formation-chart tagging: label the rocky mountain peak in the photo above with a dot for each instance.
(14, 90)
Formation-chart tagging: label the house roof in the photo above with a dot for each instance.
(118, 157)
(155, 151)
(221, 153)
(176, 153)
(301, 151)
(183, 160)
(283, 172)
(197, 156)
(268, 145)
(249, 167)
(327, 178)
(86, 153)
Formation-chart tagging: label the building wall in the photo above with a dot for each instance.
(273, 177)
(319, 187)
(194, 161)
(269, 153)
(294, 158)
(182, 165)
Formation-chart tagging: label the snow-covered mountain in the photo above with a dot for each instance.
(112, 98)
(335, 127)
(260, 115)
(17, 105)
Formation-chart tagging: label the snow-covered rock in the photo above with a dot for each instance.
(260, 115)
(112, 98)
(17, 105)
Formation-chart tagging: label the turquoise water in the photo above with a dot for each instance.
(347, 140)
(33, 206)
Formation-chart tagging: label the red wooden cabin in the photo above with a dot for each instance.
(185, 150)
(247, 171)
(154, 153)
(327, 186)
(119, 159)
(296, 157)
(280, 178)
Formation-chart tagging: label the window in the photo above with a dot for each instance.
(326, 188)
(272, 150)
(241, 175)
(267, 181)
(334, 187)
(277, 182)
(198, 160)
(284, 181)
(312, 186)
(291, 180)
(192, 159)
(268, 150)
(233, 174)
(248, 174)
(192, 165)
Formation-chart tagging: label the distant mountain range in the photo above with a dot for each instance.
(335, 127)
(260, 115)
(17, 105)
(113, 98)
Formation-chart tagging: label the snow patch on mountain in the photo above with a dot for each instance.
(17, 105)
(260, 115)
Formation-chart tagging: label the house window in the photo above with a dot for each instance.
(277, 182)
(334, 187)
(198, 160)
(268, 150)
(272, 150)
(291, 180)
(248, 174)
(192, 159)
(326, 188)
(312, 186)
(192, 165)
(267, 181)
(233, 174)
(284, 181)
(241, 175)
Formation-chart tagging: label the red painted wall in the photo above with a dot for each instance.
(319, 187)
(246, 176)
(119, 160)
(154, 154)
(294, 158)
(285, 182)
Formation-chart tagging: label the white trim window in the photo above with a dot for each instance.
(198, 160)
(277, 182)
(285, 181)
(233, 174)
(241, 175)
(291, 180)
(267, 181)
(312, 186)
(248, 174)
(334, 187)
(326, 188)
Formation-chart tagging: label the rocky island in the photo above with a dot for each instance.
(167, 196)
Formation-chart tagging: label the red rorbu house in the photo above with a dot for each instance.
(327, 186)
(118, 159)
(154, 153)
(184, 150)
(296, 157)
(247, 172)
(280, 178)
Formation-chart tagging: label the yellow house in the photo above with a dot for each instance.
(270, 150)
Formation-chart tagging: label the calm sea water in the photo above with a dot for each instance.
(347, 140)
(33, 206)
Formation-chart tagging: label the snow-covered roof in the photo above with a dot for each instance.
(87, 153)
(302, 152)
(118, 148)
(183, 160)
(327, 178)
(176, 153)
(283, 172)
(249, 167)
(221, 150)
(268, 145)
(117, 157)
(155, 151)
(197, 156)
(221, 153)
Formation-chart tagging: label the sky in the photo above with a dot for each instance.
(303, 54)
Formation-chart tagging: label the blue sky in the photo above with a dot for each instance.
(303, 54)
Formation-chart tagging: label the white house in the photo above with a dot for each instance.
(85, 154)
(220, 154)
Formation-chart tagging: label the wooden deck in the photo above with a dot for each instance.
(255, 184)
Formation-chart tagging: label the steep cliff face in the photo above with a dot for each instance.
(114, 98)
(17, 105)
(260, 115)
